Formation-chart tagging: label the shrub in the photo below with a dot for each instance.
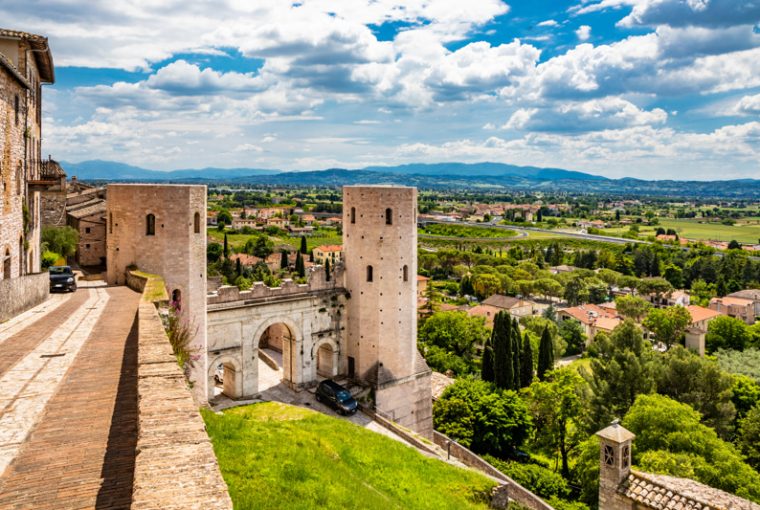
(49, 258)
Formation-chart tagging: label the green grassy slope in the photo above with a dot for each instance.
(276, 456)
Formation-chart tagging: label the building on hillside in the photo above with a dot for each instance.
(677, 297)
(325, 252)
(488, 312)
(160, 229)
(564, 268)
(593, 318)
(238, 223)
(26, 63)
(422, 285)
(753, 294)
(90, 221)
(623, 488)
(515, 306)
(736, 307)
(696, 332)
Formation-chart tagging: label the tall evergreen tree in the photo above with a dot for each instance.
(284, 259)
(545, 354)
(526, 362)
(303, 245)
(516, 341)
(300, 267)
(327, 270)
(238, 267)
(226, 247)
(486, 367)
(502, 351)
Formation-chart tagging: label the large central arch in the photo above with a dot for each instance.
(288, 342)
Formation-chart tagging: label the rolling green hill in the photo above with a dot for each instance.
(275, 456)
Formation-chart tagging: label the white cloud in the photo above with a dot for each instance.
(248, 147)
(583, 33)
(548, 23)
(594, 115)
(680, 13)
(748, 105)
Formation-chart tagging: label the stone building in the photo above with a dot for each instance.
(331, 252)
(380, 250)
(25, 64)
(160, 229)
(623, 488)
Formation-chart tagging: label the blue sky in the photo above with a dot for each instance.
(645, 88)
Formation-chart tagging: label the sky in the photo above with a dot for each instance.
(653, 89)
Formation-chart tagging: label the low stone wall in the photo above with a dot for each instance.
(516, 491)
(20, 294)
(175, 466)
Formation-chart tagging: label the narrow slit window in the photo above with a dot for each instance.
(197, 223)
(150, 225)
(353, 215)
(406, 273)
(369, 273)
(110, 223)
(389, 216)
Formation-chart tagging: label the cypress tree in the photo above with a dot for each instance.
(516, 341)
(284, 259)
(327, 270)
(486, 368)
(300, 267)
(502, 351)
(238, 267)
(545, 354)
(526, 362)
(303, 245)
(226, 247)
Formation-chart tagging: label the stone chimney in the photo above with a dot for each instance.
(615, 462)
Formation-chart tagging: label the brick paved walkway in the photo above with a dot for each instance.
(81, 452)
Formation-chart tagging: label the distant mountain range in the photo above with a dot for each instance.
(474, 176)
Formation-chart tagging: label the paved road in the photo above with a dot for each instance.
(68, 402)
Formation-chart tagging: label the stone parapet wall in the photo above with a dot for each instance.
(175, 466)
(316, 282)
(20, 294)
(517, 492)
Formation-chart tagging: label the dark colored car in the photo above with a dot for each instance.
(62, 278)
(336, 396)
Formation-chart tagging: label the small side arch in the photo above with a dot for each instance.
(231, 374)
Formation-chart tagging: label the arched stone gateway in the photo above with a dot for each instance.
(298, 328)
(225, 373)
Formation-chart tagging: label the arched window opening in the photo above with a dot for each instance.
(197, 223)
(177, 299)
(389, 216)
(353, 215)
(150, 225)
(369, 273)
(406, 273)
(7, 264)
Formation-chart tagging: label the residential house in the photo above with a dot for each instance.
(422, 283)
(753, 294)
(736, 307)
(515, 306)
(238, 223)
(564, 268)
(593, 318)
(697, 330)
(677, 297)
(488, 312)
(90, 221)
(331, 252)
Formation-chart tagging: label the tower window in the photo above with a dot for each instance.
(353, 215)
(406, 273)
(150, 225)
(626, 456)
(16, 106)
(389, 216)
(197, 223)
(609, 455)
(110, 223)
(369, 273)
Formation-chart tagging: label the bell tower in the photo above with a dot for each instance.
(615, 461)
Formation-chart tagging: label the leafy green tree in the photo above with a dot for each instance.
(632, 307)
(61, 240)
(748, 438)
(724, 332)
(674, 275)
(260, 246)
(224, 217)
(671, 440)
(536, 325)
(624, 366)
(558, 408)
(668, 324)
(699, 382)
(526, 362)
(455, 331)
(576, 292)
(214, 252)
(746, 394)
(465, 287)
(545, 355)
(485, 284)
(571, 332)
(656, 285)
(482, 418)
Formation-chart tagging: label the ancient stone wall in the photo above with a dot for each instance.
(175, 466)
(171, 246)
(91, 250)
(19, 294)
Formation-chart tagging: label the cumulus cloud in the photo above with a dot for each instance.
(594, 115)
(681, 13)
(748, 105)
(548, 23)
(583, 33)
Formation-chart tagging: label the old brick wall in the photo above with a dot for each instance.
(91, 250)
(19, 294)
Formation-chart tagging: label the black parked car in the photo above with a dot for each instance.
(336, 396)
(62, 278)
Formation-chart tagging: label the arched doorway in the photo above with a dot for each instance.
(7, 264)
(226, 377)
(327, 360)
(277, 356)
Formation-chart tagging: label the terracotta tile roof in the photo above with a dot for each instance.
(730, 300)
(90, 209)
(245, 259)
(669, 492)
(607, 323)
(589, 313)
(330, 247)
(421, 278)
(700, 313)
(505, 302)
(486, 311)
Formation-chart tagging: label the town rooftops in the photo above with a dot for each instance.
(589, 313)
(700, 313)
(330, 247)
(42, 53)
(731, 300)
(505, 302)
(753, 294)
(92, 208)
(662, 491)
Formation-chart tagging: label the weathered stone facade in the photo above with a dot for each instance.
(161, 229)
(20, 294)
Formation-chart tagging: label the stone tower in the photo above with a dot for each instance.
(380, 248)
(615, 464)
(161, 229)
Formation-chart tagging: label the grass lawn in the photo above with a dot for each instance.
(466, 231)
(692, 229)
(237, 241)
(275, 456)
